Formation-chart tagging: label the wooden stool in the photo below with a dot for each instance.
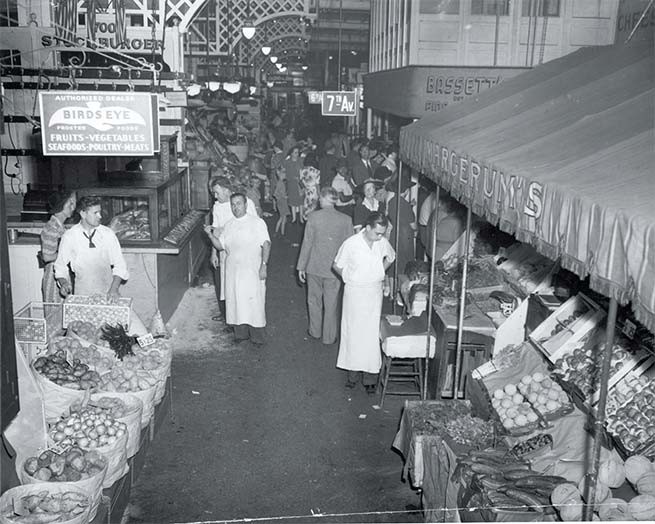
(402, 361)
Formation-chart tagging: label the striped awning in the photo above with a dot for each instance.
(563, 157)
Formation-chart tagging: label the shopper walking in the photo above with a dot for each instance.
(327, 164)
(292, 166)
(281, 202)
(361, 262)
(325, 231)
(247, 246)
(62, 206)
(343, 185)
(221, 189)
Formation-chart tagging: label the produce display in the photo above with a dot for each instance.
(533, 446)
(69, 466)
(86, 331)
(92, 356)
(471, 431)
(97, 310)
(147, 359)
(124, 380)
(75, 375)
(118, 339)
(497, 481)
(516, 414)
(44, 507)
(89, 428)
(546, 396)
(114, 406)
(634, 421)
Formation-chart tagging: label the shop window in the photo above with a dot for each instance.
(490, 7)
(9, 13)
(81, 19)
(542, 8)
(135, 20)
(10, 57)
(439, 7)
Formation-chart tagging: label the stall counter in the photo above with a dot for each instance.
(160, 272)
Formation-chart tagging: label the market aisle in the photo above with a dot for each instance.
(270, 432)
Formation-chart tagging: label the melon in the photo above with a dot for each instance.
(614, 509)
(564, 492)
(646, 484)
(602, 490)
(636, 467)
(571, 511)
(612, 473)
(642, 507)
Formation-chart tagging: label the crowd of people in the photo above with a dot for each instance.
(348, 197)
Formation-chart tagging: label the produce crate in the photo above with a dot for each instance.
(80, 307)
(37, 322)
(569, 323)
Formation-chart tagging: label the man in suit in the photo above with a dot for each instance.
(325, 231)
(327, 165)
(362, 169)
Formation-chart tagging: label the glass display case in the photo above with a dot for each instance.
(139, 208)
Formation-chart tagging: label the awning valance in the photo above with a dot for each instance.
(562, 156)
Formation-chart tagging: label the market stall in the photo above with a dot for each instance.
(539, 157)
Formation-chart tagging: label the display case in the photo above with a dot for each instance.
(139, 209)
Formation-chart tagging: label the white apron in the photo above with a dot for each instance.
(93, 275)
(245, 292)
(359, 348)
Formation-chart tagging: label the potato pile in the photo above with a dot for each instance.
(148, 360)
(58, 370)
(124, 380)
(114, 406)
(89, 428)
(44, 507)
(70, 466)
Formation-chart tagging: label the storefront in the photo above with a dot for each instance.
(560, 157)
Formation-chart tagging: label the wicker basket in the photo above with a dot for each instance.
(77, 307)
(38, 322)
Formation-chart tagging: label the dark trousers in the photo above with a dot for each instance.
(322, 304)
(368, 379)
(245, 331)
(217, 288)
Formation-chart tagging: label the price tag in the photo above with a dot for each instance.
(629, 329)
(145, 340)
(58, 449)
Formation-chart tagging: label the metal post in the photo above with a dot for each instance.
(397, 240)
(339, 45)
(433, 262)
(462, 306)
(599, 422)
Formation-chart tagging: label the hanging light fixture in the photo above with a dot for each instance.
(304, 67)
(232, 87)
(248, 28)
(273, 59)
(283, 69)
(266, 50)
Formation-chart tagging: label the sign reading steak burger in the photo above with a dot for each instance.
(86, 123)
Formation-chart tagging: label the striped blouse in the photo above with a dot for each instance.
(50, 236)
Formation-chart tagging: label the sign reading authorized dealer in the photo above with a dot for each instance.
(91, 123)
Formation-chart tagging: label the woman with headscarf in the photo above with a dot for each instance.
(62, 206)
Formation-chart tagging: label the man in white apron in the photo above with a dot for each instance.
(247, 245)
(221, 214)
(361, 262)
(93, 253)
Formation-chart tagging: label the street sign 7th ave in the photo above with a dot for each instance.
(339, 103)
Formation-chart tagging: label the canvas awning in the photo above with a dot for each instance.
(563, 157)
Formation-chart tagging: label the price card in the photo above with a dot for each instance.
(58, 448)
(629, 329)
(145, 340)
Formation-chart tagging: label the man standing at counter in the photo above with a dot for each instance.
(93, 253)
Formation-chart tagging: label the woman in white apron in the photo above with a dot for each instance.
(361, 262)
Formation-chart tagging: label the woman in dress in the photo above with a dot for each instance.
(310, 181)
(62, 206)
(292, 166)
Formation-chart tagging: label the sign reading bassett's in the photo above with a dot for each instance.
(91, 123)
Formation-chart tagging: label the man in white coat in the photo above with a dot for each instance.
(361, 262)
(247, 245)
(221, 189)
